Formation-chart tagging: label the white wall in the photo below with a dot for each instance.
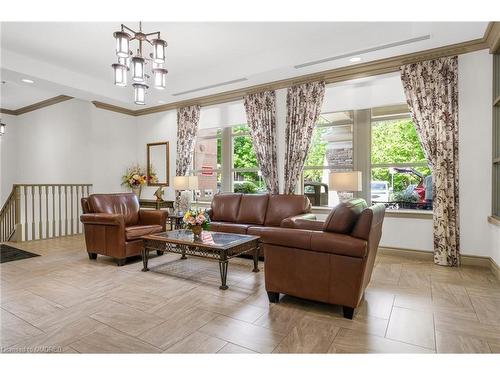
(69, 142)
(157, 127)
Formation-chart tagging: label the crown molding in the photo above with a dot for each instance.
(492, 37)
(7, 111)
(114, 108)
(35, 106)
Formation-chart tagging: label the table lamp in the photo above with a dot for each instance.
(185, 186)
(345, 181)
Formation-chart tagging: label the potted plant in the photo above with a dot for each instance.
(134, 178)
(196, 220)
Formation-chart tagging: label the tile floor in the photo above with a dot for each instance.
(64, 302)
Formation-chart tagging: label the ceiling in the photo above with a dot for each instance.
(75, 58)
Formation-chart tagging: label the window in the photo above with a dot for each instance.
(207, 163)
(331, 150)
(245, 170)
(400, 175)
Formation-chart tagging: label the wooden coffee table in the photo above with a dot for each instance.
(215, 245)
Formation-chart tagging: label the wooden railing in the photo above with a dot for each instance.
(40, 211)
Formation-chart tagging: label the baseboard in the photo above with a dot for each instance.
(466, 260)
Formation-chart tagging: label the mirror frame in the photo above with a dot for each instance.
(148, 146)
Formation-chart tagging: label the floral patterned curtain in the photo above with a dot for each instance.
(303, 108)
(431, 89)
(187, 127)
(261, 116)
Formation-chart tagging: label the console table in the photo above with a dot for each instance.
(156, 204)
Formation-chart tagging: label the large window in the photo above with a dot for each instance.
(400, 176)
(246, 175)
(207, 163)
(331, 150)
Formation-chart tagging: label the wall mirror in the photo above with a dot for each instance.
(158, 164)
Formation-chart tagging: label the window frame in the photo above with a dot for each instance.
(216, 171)
(350, 122)
(391, 117)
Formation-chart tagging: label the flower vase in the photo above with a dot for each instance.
(196, 229)
(137, 191)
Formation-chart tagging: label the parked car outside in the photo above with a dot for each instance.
(380, 191)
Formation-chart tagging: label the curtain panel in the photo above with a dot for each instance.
(431, 89)
(261, 117)
(187, 127)
(303, 108)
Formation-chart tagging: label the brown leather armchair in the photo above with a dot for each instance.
(329, 261)
(113, 225)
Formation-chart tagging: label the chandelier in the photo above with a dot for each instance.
(138, 62)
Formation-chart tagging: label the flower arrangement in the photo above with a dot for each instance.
(196, 220)
(153, 177)
(134, 177)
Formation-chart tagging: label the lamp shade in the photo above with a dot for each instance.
(345, 181)
(185, 182)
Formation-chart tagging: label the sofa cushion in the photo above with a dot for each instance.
(125, 204)
(344, 216)
(252, 209)
(256, 230)
(218, 226)
(135, 232)
(296, 238)
(340, 244)
(225, 207)
(282, 206)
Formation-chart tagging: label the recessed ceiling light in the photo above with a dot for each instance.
(355, 59)
(26, 80)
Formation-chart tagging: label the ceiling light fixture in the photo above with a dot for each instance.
(139, 61)
(26, 80)
(355, 59)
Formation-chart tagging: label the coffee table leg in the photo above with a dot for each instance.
(223, 273)
(145, 254)
(256, 258)
(183, 251)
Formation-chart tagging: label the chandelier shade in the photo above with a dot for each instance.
(160, 78)
(159, 51)
(136, 62)
(120, 74)
(138, 69)
(140, 93)
(122, 43)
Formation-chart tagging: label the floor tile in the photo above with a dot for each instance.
(412, 327)
(349, 341)
(310, 335)
(109, 340)
(197, 342)
(250, 336)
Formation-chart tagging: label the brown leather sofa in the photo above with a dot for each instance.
(251, 213)
(329, 261)
(113, 225)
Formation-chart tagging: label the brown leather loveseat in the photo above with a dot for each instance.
(251, 213)
(329, 261)
(113, 225)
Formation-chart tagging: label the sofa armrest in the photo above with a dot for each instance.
(291, 222)
(103, 219)
(153, 217)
